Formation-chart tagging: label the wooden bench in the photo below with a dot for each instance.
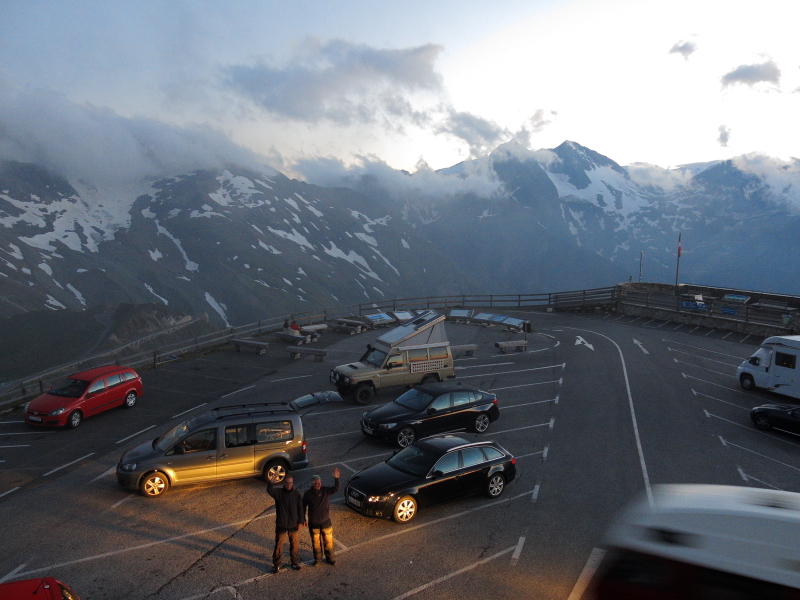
(260, 347)
(518, 345)
(467, 349)
(355, 323)
(297, 339)
(296, 352)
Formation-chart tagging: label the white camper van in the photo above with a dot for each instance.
(773, 366)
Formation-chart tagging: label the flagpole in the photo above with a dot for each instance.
(678, 265)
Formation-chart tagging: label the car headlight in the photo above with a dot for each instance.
(377, 498)
(387, 425)
(55, 413)
(128, 467)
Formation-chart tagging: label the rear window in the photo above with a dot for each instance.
(471, 456)
(418, 354)
(127, 376)
(492, 453)
(462, 398)
(113, 380)
(274, 431)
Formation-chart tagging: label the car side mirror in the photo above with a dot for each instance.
(431, 410)
(438, 473)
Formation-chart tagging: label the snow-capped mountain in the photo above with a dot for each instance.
(239, 244)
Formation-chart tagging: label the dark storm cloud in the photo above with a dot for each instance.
(724, 136)
(685, 49)
(481, 135)
(340, 81)
(84, 142)
(767, 72)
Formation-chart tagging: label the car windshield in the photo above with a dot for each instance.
(413, 460)
(374, 357)
(414, 399)
(166, 441)
(70, 388)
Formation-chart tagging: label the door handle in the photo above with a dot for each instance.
(222, 455)
(210, 458)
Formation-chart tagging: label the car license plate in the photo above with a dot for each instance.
(354, 502)
(34, 419)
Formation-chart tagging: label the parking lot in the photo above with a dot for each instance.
(597, 410)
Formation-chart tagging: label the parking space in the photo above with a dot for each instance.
(566, 414)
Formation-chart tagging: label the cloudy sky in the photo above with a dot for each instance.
(411, 83)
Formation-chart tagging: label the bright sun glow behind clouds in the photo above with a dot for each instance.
(638, 81)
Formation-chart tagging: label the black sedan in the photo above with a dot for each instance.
(430, 471)
(779, 416)
(429, 409)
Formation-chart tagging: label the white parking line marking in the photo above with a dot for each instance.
(727, 334)
(664, 323)
(747, 478)
(484, 366)
(544, 454)
(527, 455)
(346, 466)
(190, 410)
(730, 389)
(14, 572)
(10, 422)
(703, 357)
(517, 551)
(512, 387)
(743, 339)
(696, 393)
(322, 437)
(774, 437)
(709, 333)
(341, 462)
(562, 366)
(728, 443)
(161, 389)
(125, 499)
(198, 375)
(678, 327)
(249, 387)
(535, 494)
(520, 428)
(340, 544)
(702, 349)
(27, 433)
(552, 422)
(529, 403)
(135, 434)
(453, 574)
(9, 491)
(738, 468)
(681, 362)
(68, 464)
(586, 575)
(17, 446)
(698, 327)
(289, 378)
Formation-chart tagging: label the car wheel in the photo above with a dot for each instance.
(405, 437)
(277, 468)
(429, 379)
(130, 400)
(481, 423)
(762, 421)
(747, 382)
(154, 484)
(74, 419)
(495, 485)
(405, 509)
(364, 393)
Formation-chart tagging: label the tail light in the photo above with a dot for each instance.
(513, 460)
(304, 446)
(495, 400)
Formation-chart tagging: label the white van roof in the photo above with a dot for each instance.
(749, 531)
(788, 341)
(426, 329)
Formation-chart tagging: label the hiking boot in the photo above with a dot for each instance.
(297, 566)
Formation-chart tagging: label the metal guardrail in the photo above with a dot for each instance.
(607, 296)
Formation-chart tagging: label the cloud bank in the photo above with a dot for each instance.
(685, 49)
(84, 142)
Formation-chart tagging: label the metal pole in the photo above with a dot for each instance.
(678, 265)
(641, 254)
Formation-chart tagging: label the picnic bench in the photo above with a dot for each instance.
(313, 334)
(296, 352)
(361, 325)
(348, 329)
(297, 339)
(467, 349)
(518, 345)
(261, 347)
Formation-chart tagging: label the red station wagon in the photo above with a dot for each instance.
(85, 394)
(45, 588)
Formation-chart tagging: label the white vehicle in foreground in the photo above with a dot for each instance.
(703, 541)
(773, 366)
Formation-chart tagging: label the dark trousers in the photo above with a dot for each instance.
(294, 545)
(322, 537)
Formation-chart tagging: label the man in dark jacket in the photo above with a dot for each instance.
(316, 500)
(289, 518)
